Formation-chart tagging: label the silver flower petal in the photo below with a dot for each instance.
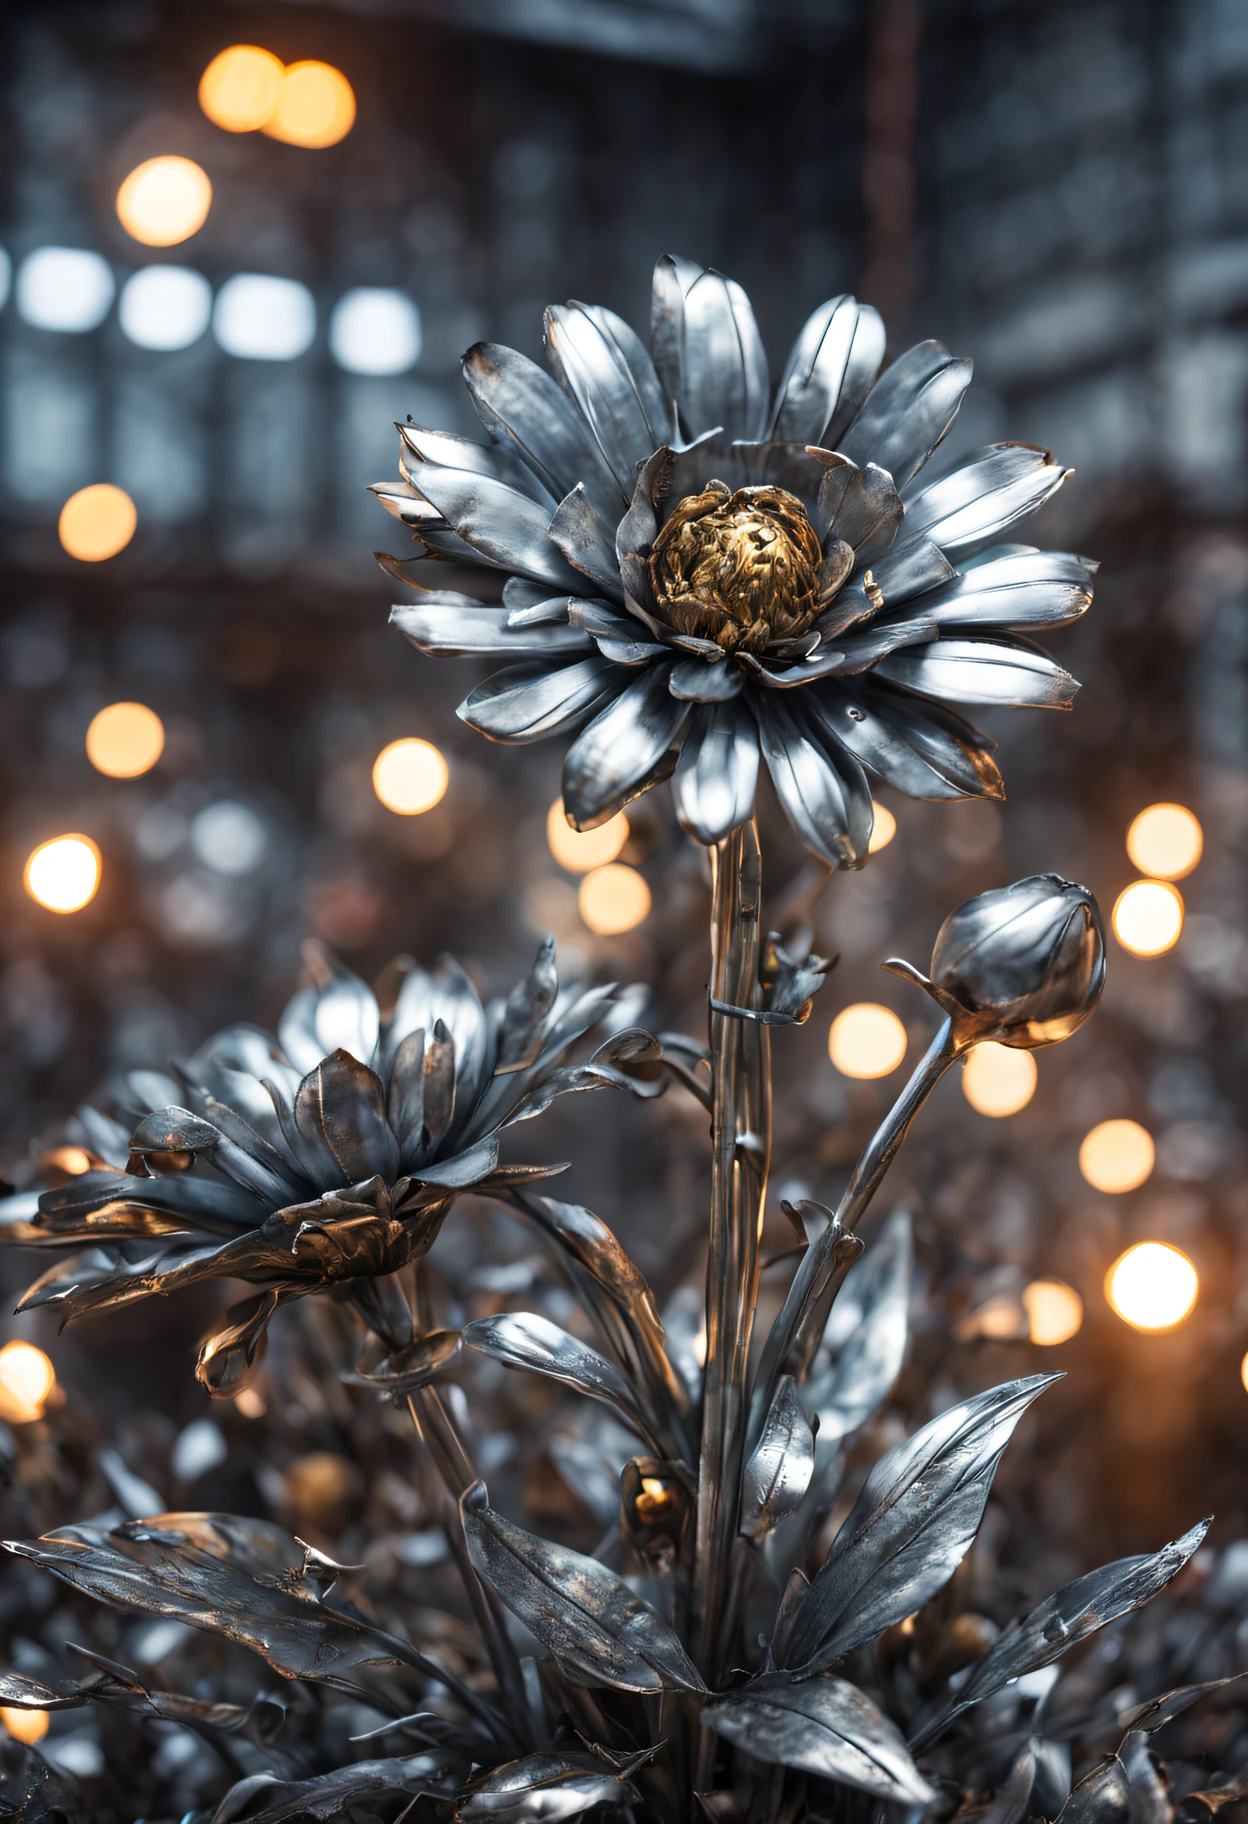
(440, 627)
(527, 702)
(722, 364)
(862, 507)
(639, 732)
(502, 527)
(829, 372)
(586, 540)
(924, 749)
(699, 682)
(983, 495)
(419, 446)
(824, 791)
(908, 411)
(1026, 588)
(605, 367)
(521, 406)
(717, 775)
(982, 671)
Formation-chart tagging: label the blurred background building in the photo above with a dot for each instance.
(1057, 192)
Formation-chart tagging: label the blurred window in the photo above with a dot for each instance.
(375, 331)
(260, 318)
(165, 307)
(64, 288)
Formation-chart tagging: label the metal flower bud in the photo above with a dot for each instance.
(1021, 965)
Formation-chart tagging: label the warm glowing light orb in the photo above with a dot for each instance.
(27, 1377)
(164, 201)
(1148, 917)
(73, 1160)
(97, 522)
(1152, 1286)
(1054, 1310)
(580, 850)
(64, 873)
(883, 829)
(316, 108)
(410, 776)
(241, 87)
(1243, 1373)
(866, 1040)
(125, 739)
(27, 1726)
(1166, 841)
(1117, 1156)
(613, 899)
(998, 1079)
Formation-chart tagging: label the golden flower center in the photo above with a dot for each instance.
(739, 569)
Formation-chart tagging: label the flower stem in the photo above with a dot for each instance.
(740, 1154)
(881, 1150)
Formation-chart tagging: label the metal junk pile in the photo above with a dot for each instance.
(739, 1617)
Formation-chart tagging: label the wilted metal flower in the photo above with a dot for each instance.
(1022, 965)
(697, 574)
(327, 1155)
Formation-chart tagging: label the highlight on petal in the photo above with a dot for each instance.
(529, 702)
(717, 774)
(629, 746)
(823, 790)
(982, 671)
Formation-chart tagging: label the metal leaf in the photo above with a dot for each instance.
(544, 1789)
(406, 1370)
(1070, 1615)
(232, 1577)
(328, 1794)
(778, 1473)
(1009, 1804)
(826, 1727)
(1101, 1796)
(1159, 1711)
(584, 1615)
(910, 1527)
(526, 1012)
(872, 1313)
(523, 1339)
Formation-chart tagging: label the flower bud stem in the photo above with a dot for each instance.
(880, 1151)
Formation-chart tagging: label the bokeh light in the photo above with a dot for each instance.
(64, 873)
(998, 1079)
(375, 330)
(125, 739)
(1166, 841)
(27, 1377)
(410, 776)
(72, 1160)
(1148, 917)
(316, 107)
(261, 318)
(1243, 1373)
(165, 307)
(164, 201)
(229, 837)
(1054, 1311)
(580, 850)
(1117, 1156)
(242, 87)
(97, 522)
(613, 899)
(66, 289)
(883, 829)
(1152, 1286)
(866, 1040)
(26, 1726)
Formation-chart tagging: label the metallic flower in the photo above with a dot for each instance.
(327, 1155)
(1022, 965)
(698, 574)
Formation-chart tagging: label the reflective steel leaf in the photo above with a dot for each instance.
(872, 1313)
(264, 1800)
(1159, 1711)
(230, 1577)
(909, 1528)
(778, 1473)
(823, 1725)
(1148, 1800)
(790, 1347)
(406, 1370)
(1100, 1797)
(1070, 1615)
(1009, 1804)
(523, 1339)
(543, 1789)
(583, 1614)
